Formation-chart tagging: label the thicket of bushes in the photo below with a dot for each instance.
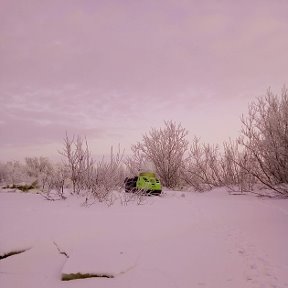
(257, 158)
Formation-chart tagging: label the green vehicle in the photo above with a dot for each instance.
(145, 182)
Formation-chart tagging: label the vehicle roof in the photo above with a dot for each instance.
(147, 174)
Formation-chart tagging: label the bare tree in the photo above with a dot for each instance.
(107, 175)
(235, 164)
(40, 169)
(57, 181)
(14, 173)
(202, 168)
(77, 158)
(265, 140)
(3, 173)
(165, 147)
(136, 162)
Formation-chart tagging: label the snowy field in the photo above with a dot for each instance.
(181, 240)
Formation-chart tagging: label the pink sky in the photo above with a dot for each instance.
(111, 70)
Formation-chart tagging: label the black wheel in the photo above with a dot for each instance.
(130, 184)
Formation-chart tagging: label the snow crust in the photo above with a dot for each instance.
(182, 239)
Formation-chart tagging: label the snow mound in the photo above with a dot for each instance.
(102, 259)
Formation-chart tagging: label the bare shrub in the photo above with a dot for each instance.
(41, 170)
(201, 169)
(136, 162)
(93, 178)
(265, 141)
(106, 175)
(57, 181)
(78, 160)
(138, 197)
(232, 163)
(165, 147)
(3, 173)
(13, 173)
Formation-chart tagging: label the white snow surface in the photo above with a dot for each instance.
(182, 239)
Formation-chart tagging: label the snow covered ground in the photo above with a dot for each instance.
(180, 240)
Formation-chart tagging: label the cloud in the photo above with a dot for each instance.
(44, 116)
(141, 48)
(113, 69)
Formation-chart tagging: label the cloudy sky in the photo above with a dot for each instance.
(111, 70)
